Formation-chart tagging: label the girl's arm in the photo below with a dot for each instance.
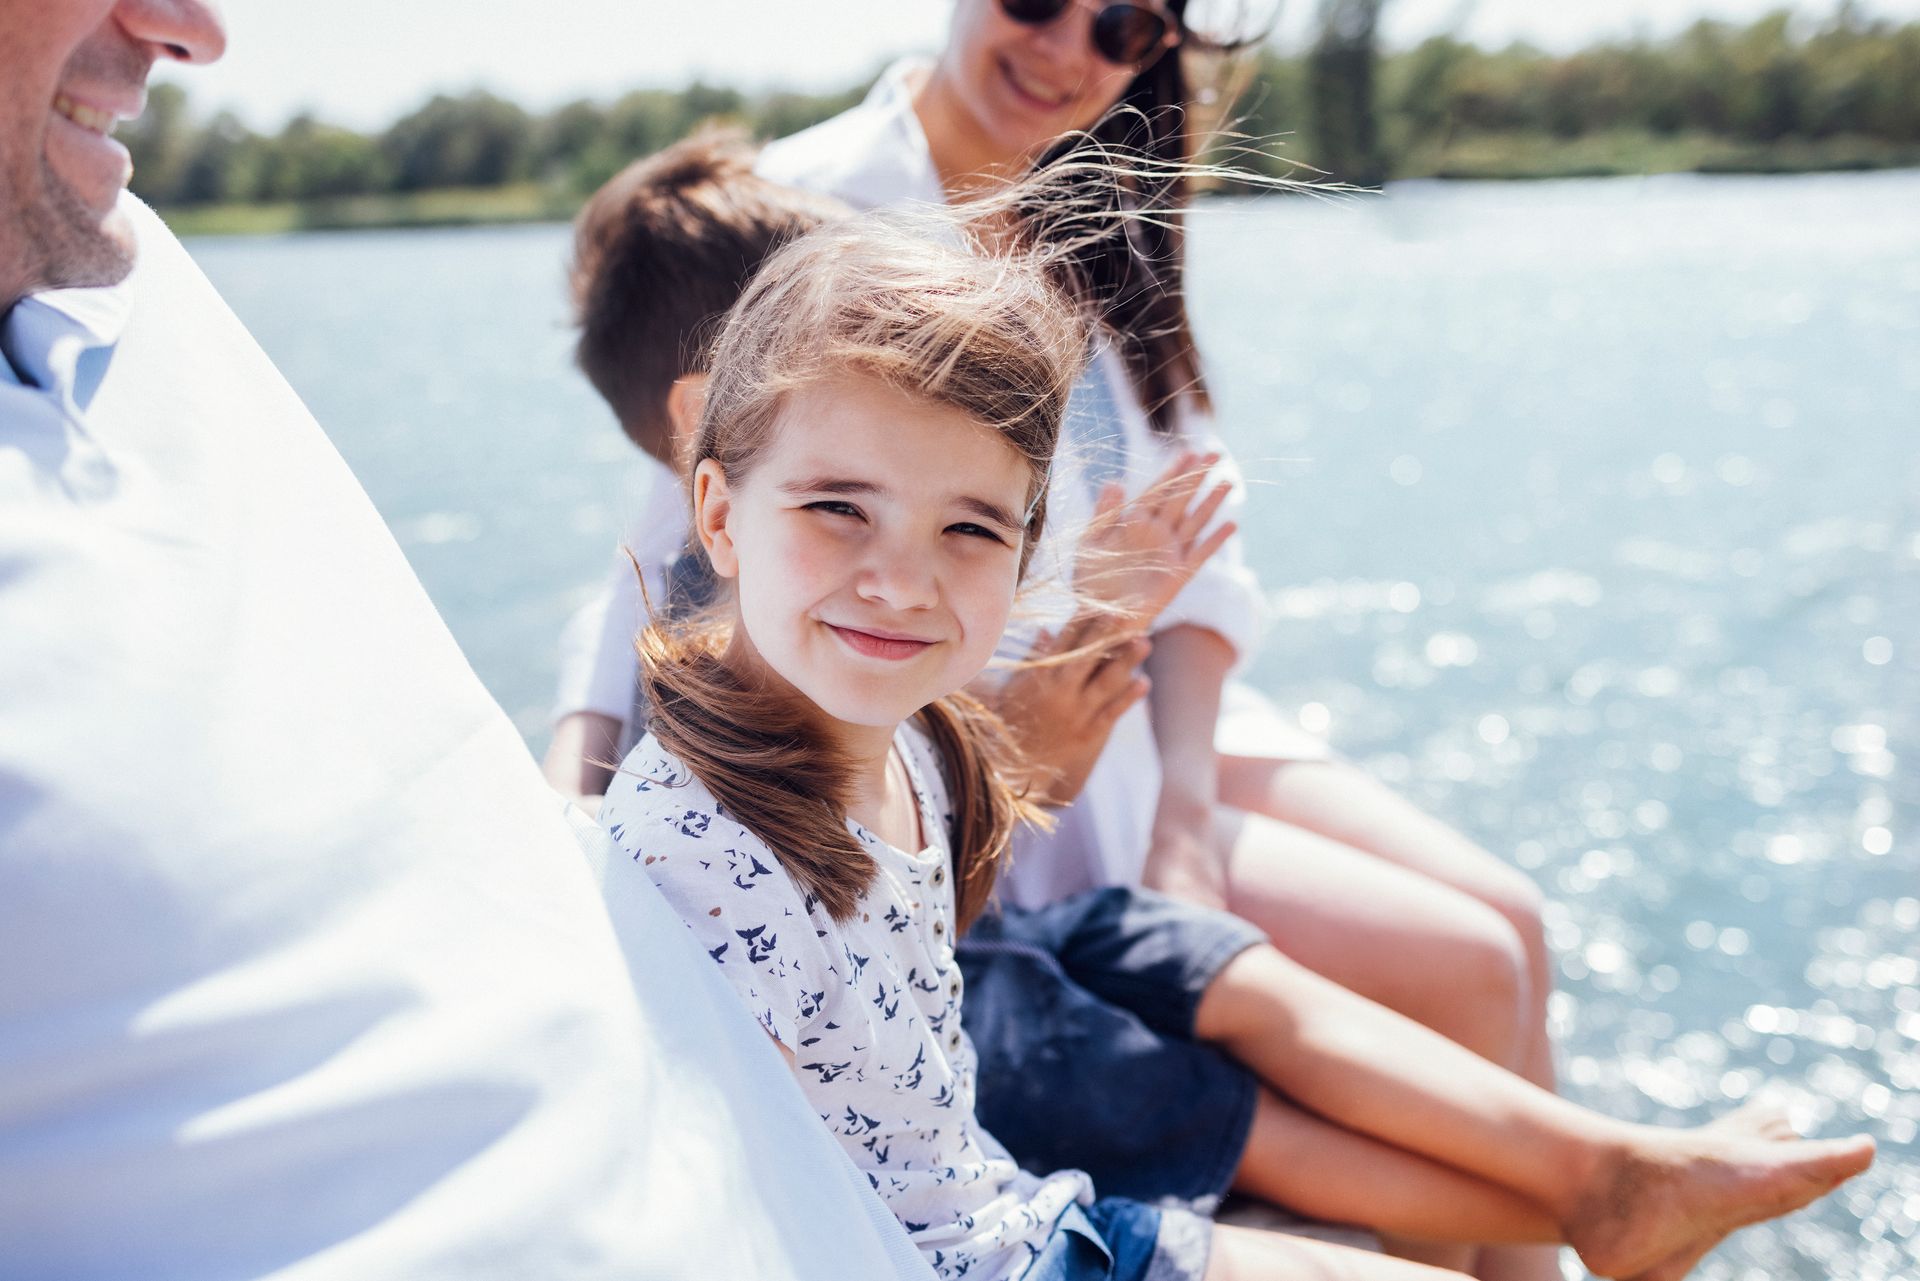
(1188, 668)
(785, 1053)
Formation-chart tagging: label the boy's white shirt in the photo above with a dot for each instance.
(302, 973)
(876, 155)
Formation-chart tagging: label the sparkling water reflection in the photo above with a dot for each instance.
(1590, 515)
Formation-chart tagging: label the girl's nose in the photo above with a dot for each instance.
(898, 578)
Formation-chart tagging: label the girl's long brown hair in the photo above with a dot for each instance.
(766, 759)
(928, 308)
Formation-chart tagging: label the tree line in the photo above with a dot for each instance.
(1339, 105)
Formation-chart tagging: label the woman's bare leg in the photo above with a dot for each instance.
(1345, 805)
(1628, 1198)
(1396, 937)
(1329, 917)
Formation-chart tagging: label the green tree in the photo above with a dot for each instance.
(1341, 112)
(476, 140)
(224, 163)
(161, 140)
(310, 160)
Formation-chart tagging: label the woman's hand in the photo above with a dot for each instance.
(1183, 860)
(1062, 712)
(1138, 554)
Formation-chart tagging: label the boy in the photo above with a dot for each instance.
(660, 252)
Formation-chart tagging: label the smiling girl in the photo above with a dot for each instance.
(1238, 810)
(817, 799)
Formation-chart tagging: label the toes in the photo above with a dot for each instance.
(1758, 1118)
(1841, 1159)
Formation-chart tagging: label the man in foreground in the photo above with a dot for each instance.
(300, 965)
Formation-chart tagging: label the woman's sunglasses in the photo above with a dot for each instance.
(1124, 34)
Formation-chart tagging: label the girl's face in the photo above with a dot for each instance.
(1023, 85)
(874, 547)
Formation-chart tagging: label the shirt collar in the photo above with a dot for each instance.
(60, 342)
(891, 100)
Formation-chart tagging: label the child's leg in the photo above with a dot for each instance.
(1628, 1198)
(1245, 1254)
(1319, 1169)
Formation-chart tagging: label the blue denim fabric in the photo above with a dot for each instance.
(1116, 1239)
(1081, 1013)
(1110, 1240)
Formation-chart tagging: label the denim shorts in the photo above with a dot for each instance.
(1082, 1014)
(1116, 1239)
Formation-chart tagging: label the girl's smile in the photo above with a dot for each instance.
(874, 548)
(876, 644)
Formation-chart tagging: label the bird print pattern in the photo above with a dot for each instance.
(869, 1007)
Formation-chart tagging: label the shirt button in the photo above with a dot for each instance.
(939, 927)
(939, 875)
(953, 1041)
(953, 988)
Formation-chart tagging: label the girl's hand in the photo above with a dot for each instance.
(1138, 554)
(1061, 713)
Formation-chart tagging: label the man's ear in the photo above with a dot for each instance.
(712, 504)
(686, 397)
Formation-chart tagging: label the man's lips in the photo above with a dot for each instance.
(98, 112)
(92, 164)
(880, 644)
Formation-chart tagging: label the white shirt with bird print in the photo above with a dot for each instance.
(869, 1006)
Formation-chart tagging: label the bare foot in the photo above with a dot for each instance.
(1680, 1265)
(1757, 1118)
(1663, 1202)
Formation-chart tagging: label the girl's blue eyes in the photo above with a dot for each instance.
(836, 507)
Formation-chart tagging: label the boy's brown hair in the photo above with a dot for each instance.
(659, 255)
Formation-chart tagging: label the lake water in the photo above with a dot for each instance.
(1591, 515)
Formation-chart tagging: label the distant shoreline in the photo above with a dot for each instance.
(1493, 158)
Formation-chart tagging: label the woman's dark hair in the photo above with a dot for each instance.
(1135, 277)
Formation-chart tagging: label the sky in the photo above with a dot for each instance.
(365, 62)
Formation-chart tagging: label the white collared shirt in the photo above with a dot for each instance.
(301, 968)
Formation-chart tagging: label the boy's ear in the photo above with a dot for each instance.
(686, 397)
(711, 505)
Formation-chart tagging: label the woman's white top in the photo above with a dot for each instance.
(876, 154)
(869, 1007)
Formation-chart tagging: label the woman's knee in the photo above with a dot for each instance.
(1485, 996)
(1522, 903)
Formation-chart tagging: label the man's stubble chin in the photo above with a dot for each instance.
(68, 245)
